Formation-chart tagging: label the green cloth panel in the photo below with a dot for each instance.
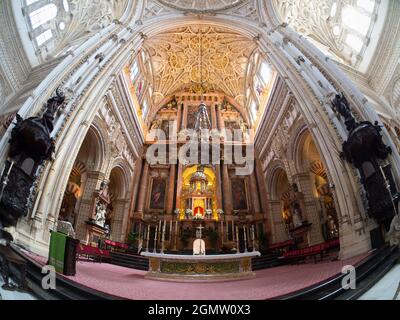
(57, 251)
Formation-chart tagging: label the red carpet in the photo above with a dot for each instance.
(269, 283)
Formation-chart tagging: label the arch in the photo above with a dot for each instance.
(276, 178)
(93, 149)
(119, 180)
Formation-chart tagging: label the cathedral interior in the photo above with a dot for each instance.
(158, 135)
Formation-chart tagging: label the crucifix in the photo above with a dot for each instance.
(199, 232)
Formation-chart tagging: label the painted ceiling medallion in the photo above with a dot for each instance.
(199, 6)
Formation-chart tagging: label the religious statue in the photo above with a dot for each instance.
(296, 202)
(101, 211)
(393, 236)
(296, 215)
(332, 227)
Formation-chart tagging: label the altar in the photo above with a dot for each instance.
(225, 267)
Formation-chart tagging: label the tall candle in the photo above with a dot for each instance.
(148, 238)
(155, 240)
(245, 238)
(237, 240)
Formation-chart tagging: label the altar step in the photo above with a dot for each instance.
(129, 260)
(368, 273)
(266, 261)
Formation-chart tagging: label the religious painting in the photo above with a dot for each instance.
(239, 196)
(157, 198)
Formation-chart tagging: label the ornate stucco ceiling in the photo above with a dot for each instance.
(177, 57)
(201, 5)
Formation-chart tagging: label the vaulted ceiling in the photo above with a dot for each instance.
(183, 57)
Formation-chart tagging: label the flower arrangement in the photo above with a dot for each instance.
(189, 212)
(208, 212)
(198, 216)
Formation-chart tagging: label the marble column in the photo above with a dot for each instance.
(171, 189)
(227, 190)
(138, 170)
(143, 188)
(219, 184)
(119, 206)
(184, 116)
(221, 123)
(179, 117)
(254, 193)
(179, 187)
(214, 124)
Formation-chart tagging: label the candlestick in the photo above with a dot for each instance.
(245, 239)
(155, 240)
(237, 240)
(254, 238)
(222, 233)
(148, 238)
(176, 235)
(163, 237)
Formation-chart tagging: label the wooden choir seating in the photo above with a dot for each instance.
(281, 245)
(92, 252)
(319, 249)
(115, 246)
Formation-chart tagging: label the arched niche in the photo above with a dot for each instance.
(312, 171)
(90, 158)
(117, 211)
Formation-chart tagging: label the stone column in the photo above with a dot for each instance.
(254, 193)
(85, 209)
(278, 229)
(136, 184)
(227, 190)
(143, 188)
(171, 189)
(311, 208)
(120, 206)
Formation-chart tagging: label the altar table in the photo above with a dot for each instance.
(184, 268)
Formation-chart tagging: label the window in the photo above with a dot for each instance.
(43, 15)
(134, 70)
(354, 42)
(44, 37)
(66, 5)
(29, 2)
(367, 5)
(356, 20)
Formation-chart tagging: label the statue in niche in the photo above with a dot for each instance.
(296, 214)
(101, 212)
(366, 150)
(296, 204)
